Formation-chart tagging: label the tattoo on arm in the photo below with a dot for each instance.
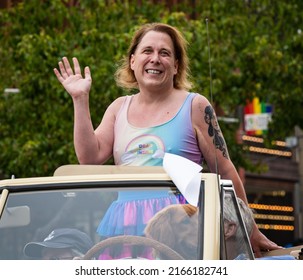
(215, 131)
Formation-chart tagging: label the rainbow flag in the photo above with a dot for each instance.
(257, 115)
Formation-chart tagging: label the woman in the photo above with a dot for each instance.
(162, 117)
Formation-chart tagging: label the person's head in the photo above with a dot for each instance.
(176, 226)
(234, 235)
(157, 33)
(231, 220)
(60, 244)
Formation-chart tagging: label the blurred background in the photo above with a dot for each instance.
(254, 49)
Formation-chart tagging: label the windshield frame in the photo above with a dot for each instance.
(208, 245)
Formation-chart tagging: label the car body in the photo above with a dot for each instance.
(78, 196)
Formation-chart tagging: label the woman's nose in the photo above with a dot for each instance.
(155, 58)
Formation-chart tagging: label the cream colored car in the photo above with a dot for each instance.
(78, 196)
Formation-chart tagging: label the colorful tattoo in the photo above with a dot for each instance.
(214, 130)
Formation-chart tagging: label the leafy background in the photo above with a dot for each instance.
(255, 50)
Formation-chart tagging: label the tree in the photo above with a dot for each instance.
(255, 46)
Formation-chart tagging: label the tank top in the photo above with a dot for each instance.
(146, 146)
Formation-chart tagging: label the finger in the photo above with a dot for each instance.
(62, 70)
(87, 74)
(274, 246)
(77, 68)
(58, 75)
(67, 66)
(258, 254)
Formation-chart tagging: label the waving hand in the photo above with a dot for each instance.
(72, 80)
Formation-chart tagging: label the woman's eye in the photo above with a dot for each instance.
(164, 53)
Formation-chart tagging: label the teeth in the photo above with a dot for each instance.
(153, 71)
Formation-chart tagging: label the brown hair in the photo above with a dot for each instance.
(124, 75)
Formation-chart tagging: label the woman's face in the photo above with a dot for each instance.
(154, 62)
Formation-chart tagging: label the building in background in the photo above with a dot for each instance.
(275, 194)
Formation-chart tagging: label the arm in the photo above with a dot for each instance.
(215, 152)
(92, 147)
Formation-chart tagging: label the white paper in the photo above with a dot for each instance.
(185, 174)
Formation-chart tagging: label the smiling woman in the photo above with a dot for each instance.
(154, 63)
(162, 117)
(177, 50)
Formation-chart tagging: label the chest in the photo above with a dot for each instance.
(150, 116)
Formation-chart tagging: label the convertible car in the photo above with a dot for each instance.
(79, 196)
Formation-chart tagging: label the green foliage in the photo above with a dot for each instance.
(256, 50)
(255, 46)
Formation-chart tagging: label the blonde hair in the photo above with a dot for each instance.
(124, 75)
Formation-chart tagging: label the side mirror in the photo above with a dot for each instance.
(15, 217)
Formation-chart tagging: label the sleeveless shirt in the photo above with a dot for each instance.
(146, 146)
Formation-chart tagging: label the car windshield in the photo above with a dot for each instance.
(31, 216)
(169, 229)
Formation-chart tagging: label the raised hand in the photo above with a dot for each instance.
(72, 80)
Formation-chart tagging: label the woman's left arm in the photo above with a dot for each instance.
(214, 149)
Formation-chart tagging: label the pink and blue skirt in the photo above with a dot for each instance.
(129, 215)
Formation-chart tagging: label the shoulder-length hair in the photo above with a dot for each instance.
(124, 75)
